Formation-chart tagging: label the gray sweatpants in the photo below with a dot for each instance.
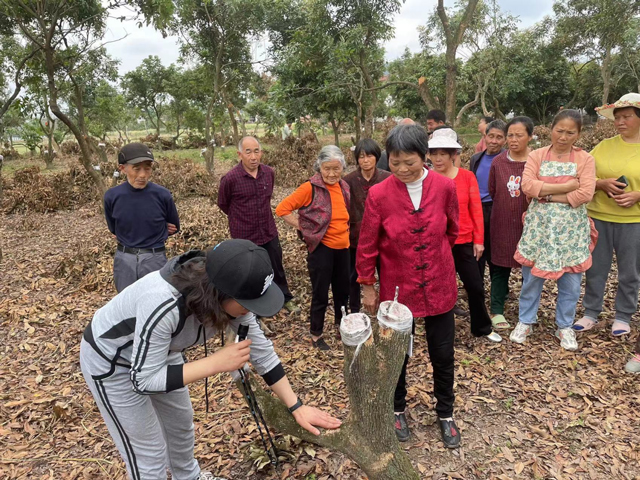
(153, 433)
(129, 267)
(624, 239)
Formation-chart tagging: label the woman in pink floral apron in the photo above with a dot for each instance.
(558, 236)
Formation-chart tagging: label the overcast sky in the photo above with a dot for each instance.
(142, 42)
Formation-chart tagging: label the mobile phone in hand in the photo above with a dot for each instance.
(624, 180)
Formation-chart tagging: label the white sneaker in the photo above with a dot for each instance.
(520, 333)
(493, 337)
(633, 365)
(208, 476)
(567, 338)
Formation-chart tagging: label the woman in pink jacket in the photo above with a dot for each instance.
(410, 224)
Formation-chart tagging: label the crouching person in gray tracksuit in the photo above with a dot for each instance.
(131, 353)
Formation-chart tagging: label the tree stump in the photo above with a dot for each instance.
(368, 435)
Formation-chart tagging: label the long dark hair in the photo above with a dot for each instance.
(202, 298)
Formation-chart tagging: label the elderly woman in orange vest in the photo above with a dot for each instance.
(323, 220)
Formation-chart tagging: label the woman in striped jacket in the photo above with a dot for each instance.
(131, 353)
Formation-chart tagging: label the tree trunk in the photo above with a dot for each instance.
(234, 123)
(497, 113)
(450, 83)
(373, 103)
(336, 132)
(48, 159)
(158, 141)
(425, 94)
(223, 135)
(243, 124)
(367, 436)
(453, 40)
(462, 111)
(208, 129)
(85, 151)
(606, 76)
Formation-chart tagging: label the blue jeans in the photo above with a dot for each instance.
(568, 296)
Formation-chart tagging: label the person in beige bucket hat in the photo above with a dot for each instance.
(615, 210)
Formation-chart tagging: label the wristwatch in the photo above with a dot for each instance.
(548, 197)
(295, 406)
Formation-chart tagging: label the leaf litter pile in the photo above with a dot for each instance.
(532, 411)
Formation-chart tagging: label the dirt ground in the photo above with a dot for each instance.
(529, 412)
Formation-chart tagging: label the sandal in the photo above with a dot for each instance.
(620, 328)
(584, 324)
(499, 322)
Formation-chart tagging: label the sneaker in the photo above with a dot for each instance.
(208, 476)
(567, 338)
(291, 307)
(450, 432)
(460, 312)
(633, 365)
(493, 337)
(520, 333)
(402, 428)
(320, 344)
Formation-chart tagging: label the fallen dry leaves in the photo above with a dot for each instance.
(531, 412)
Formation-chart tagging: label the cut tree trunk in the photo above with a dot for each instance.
(367, 436)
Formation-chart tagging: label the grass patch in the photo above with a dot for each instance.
(470, 138)
(227, 155)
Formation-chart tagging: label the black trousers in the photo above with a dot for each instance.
(467, 268)
(440, 333)
(486, 256)
(354, 286)
(274, 250)
(327, 267)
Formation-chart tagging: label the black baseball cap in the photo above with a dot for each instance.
(133, 153)
(242, 270)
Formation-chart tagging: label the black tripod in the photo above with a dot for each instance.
(271, 451)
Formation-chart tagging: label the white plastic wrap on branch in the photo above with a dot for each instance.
(392, 314)
(355, 329)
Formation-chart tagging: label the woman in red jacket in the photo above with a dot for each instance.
(410, 224)
(469, 246)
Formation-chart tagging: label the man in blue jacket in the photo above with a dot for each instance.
(141, 215)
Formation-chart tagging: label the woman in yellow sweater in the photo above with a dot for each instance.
(323, 222)
(615, 210)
